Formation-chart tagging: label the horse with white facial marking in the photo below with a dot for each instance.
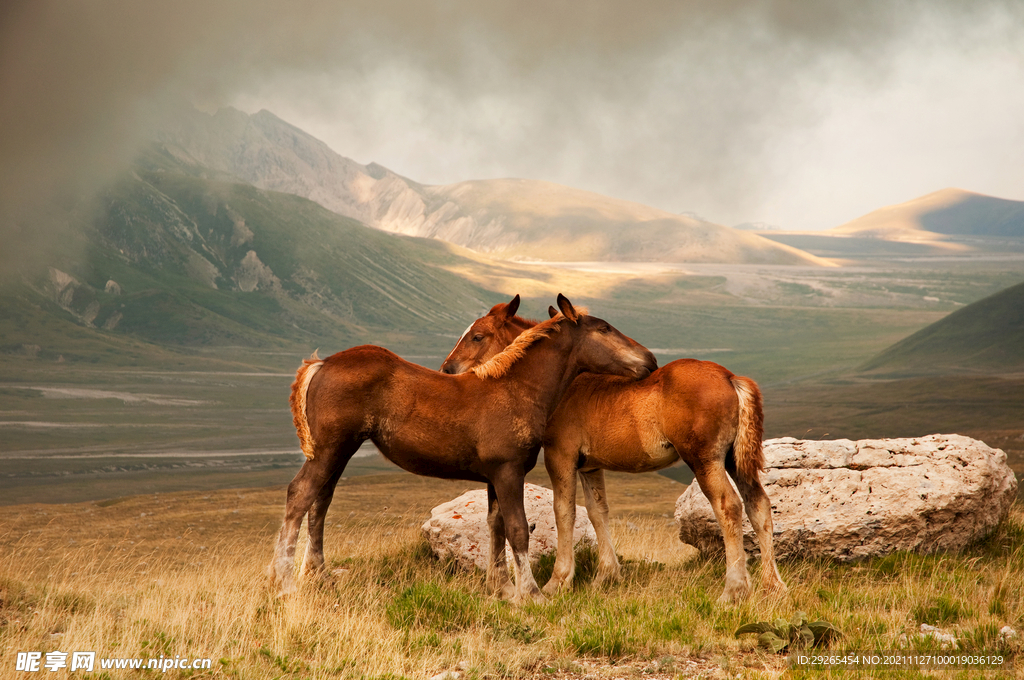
(485, 425)
(692, 410)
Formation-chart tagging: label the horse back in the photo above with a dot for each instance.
(426, 422)
(622, 424)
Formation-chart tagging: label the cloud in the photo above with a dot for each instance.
(716, 107)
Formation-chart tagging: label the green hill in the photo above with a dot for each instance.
(171, 257)
(985, 336)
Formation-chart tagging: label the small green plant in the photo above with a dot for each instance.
(939, 610)
(604, 633)
(586, 566)
(433, 606)
(798, 632)
(283, 662)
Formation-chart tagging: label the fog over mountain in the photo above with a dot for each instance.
(794, 113)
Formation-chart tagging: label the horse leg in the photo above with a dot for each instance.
(597, 508)
(498, 581)
(313, 561)
(759, 511)
(508, 487)
(729, 513)
(562, 472)
(302, 492)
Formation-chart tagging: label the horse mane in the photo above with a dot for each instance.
(502, 362)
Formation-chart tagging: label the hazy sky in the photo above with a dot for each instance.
(801, 114)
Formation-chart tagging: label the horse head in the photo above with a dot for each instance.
(601, 348)
(486, 337)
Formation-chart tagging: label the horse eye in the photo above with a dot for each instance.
(478, 337)
(604, 329)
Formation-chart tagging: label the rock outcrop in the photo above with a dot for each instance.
(458, 529)
(852, 499)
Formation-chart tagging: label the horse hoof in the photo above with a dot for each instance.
(608, 579)
(284, 589)
(315, 575)
(552, 588)
(534, 596)
(506, 592)
(733, 597)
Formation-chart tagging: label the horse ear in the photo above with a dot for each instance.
(552, 312)
(505, 310)
(568, 311)
(512, 307)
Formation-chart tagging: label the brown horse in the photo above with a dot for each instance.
(692, 410)
(485, 426)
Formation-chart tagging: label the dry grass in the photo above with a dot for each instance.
(182, 574)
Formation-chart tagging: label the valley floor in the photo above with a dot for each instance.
(181, 574)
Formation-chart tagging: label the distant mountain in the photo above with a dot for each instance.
(516, 218)
(509, 218)
(170, 257)
(987, 335)
(940, 216)
(757, 226)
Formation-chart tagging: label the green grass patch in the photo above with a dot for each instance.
(434, 606)
(940, 610)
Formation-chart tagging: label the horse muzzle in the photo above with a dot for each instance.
(649, 366)
(452, 368)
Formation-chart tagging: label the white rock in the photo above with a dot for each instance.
(943, 637)
(852, 499)
(458, 528)
(447, 675)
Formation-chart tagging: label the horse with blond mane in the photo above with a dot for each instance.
(692, 410)
(485, 425)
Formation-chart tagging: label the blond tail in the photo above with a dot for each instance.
(298, 402)
(747, 447)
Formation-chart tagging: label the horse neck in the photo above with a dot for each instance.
(519, 324)
(548, 366)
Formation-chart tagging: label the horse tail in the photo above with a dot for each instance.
(747, 448)
(303, 376)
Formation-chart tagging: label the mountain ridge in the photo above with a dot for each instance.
(939, 217)
(573, 224)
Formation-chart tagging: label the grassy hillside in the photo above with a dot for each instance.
(169, 257)
(987, 335)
